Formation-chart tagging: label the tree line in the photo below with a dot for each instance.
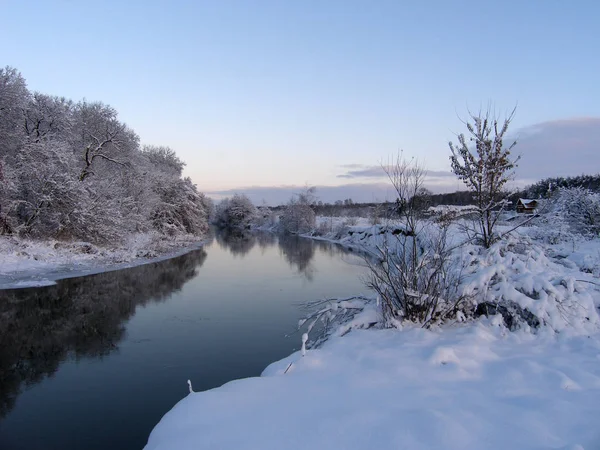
(73, 170)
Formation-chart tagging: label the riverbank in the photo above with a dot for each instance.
(28, 262)
(467, 387)
(472, 383)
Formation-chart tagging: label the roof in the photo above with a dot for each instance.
(528, 202)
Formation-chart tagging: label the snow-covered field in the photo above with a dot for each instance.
(26, 263)
(468, 385)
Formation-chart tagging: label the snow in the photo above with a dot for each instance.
(527, 202)
(450, 208)
(467, 387)
(471, 384)
(32, 263)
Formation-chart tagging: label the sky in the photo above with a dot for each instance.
(265, 97)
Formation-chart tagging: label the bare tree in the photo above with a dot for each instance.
(484, 164)
(411, 269)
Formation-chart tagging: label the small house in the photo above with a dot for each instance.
(526, 206)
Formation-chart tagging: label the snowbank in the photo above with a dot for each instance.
(475, 385)
(28, 263)
(470, 387)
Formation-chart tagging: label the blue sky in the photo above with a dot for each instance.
(272, 93)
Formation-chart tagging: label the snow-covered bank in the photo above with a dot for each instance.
(469, 387)
(467, 383)
(27, 263)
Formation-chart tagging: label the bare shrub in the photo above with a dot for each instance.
(411, 269)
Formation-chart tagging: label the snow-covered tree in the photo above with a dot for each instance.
(235, 213)
(101, 139)
(164, 158)
(485, 165)
(299, 216)
(14, 97)
(265, 217)
(579, 208)
(76, 171)
(47, 116)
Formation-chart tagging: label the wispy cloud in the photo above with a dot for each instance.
(556, 148)
(360, 171)
(379, 172)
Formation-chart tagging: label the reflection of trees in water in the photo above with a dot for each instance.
(330, 249)
(81, 317)
(266, 239)
(238, 243)
(298, 252)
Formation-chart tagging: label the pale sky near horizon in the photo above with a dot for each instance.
(271, 93)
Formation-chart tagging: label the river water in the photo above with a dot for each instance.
(94, 362)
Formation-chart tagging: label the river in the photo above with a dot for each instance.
(94, 362)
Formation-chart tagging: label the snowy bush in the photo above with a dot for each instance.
(580, 209)
(412, 269)
(180, 208)
(417, 277)
(525, 286)
(299, 216)
(235, 213)
(265, 217)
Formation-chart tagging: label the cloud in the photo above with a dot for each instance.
(363, 172)
(559, 148)
(353, 166)
(556, 148)
(378, 172)
(565, 147)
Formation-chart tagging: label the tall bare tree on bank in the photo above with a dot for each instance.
(484, 164)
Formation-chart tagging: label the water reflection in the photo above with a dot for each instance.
(265, 239)
(298, 252)
(238, 243)
(80, 317)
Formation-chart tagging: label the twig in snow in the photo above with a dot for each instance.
(304, 339)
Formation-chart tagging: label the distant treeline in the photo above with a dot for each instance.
(547, 186)
(540, 189)
(75, 171)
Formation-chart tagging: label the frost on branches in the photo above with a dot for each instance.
(236, 213)
(484, 164)
(74, 171)
(299, 216)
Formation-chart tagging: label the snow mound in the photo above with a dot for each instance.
(520, 272)
(390, 389)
